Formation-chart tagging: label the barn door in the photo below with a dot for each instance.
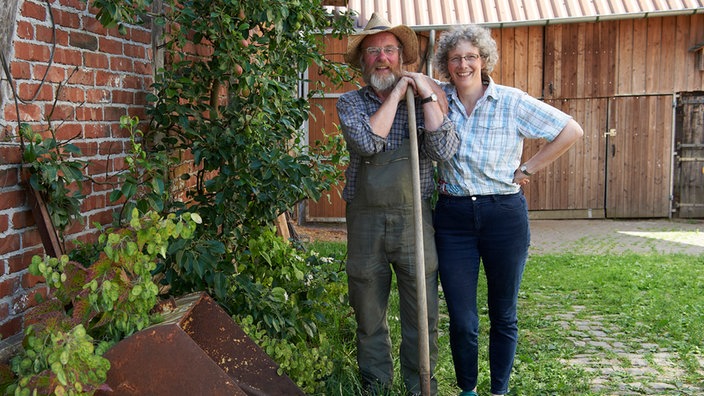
(638, 141)
(689, 156)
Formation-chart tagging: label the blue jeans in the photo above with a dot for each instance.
(492, 230)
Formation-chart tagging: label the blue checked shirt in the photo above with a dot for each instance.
(354, 109)
(491, 139)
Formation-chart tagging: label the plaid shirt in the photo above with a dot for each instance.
(492, 139)
(354, 109)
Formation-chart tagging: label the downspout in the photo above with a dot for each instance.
(675, 96)
(430, 53)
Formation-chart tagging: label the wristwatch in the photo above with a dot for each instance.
(431, 98)
(524, 170)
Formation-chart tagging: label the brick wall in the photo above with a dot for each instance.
(104, 75)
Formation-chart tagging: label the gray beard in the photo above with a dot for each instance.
(382, 84)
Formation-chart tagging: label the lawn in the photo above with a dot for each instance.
(589, 325)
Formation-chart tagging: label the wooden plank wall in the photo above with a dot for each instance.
(689, 169)
(584, 68)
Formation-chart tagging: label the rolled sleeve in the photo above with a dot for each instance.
(355, 125)
(442, 144)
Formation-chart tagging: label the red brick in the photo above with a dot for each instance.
(137, 111)
(140, 98)
(85, 41)
(12, 199)
(90, 24)
(67, 19)
(25, 30)
(9, 286)
(29, 281)
(31, 238)
(4, 311)
(21, 261)
(9, 243)
(119, 164)
(56, 74)
(20, 70)
(9, 177)
(112, 113)
(102, 183)
(89, 149)
(72, 94)
(4, 223)
(61, 112)
(28, 112)
(75, 228)
(96, 131)
(141, 36)
(68, 131)
(31, 52)
(103, 218)
(134, 51)
(132, 82)
(34, 11)
(93, 202)
(90, 237)
(98, 96)
(119, 96)
(95, 60)
(107, 79)
(48, 35)
(22, 219)
(97, 167)
(142, 68)
(111, 147)
(84, 113)
(77, 4)
(82, 77)
(119, 63)
(35, 91)
(11, 327)
(110, 46)
(23, 302)
(68, 57)
(10, 155)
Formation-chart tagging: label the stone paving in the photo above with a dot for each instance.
(621, 369)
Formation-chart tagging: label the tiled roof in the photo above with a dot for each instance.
(440, 13)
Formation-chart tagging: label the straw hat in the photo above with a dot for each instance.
(376, 25)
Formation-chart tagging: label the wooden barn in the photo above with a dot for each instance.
(630, 72)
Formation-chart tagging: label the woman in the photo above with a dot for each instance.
(481, 214)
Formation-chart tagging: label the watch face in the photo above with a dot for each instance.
(433, 97)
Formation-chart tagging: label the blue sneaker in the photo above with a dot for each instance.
(468, 393)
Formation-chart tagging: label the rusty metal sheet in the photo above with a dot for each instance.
(237, 354)
(163, 360)
(196, 350)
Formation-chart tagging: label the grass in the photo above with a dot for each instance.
(589, 325)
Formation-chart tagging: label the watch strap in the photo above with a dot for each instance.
(431, 98)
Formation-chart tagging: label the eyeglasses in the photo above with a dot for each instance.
(376, 51)
(471, 58)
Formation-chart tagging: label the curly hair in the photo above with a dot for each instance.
(478, 36)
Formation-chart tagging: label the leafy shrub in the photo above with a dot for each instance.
(104, 303)
(55, 174)
(284, 301)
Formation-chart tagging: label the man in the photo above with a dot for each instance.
(379, 196)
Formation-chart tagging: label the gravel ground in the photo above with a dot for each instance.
(618, 236)
(581, 236)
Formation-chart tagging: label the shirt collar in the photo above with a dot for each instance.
(491, 91)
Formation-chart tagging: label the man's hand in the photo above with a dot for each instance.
(425, 85)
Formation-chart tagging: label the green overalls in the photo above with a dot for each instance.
(381, 236)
